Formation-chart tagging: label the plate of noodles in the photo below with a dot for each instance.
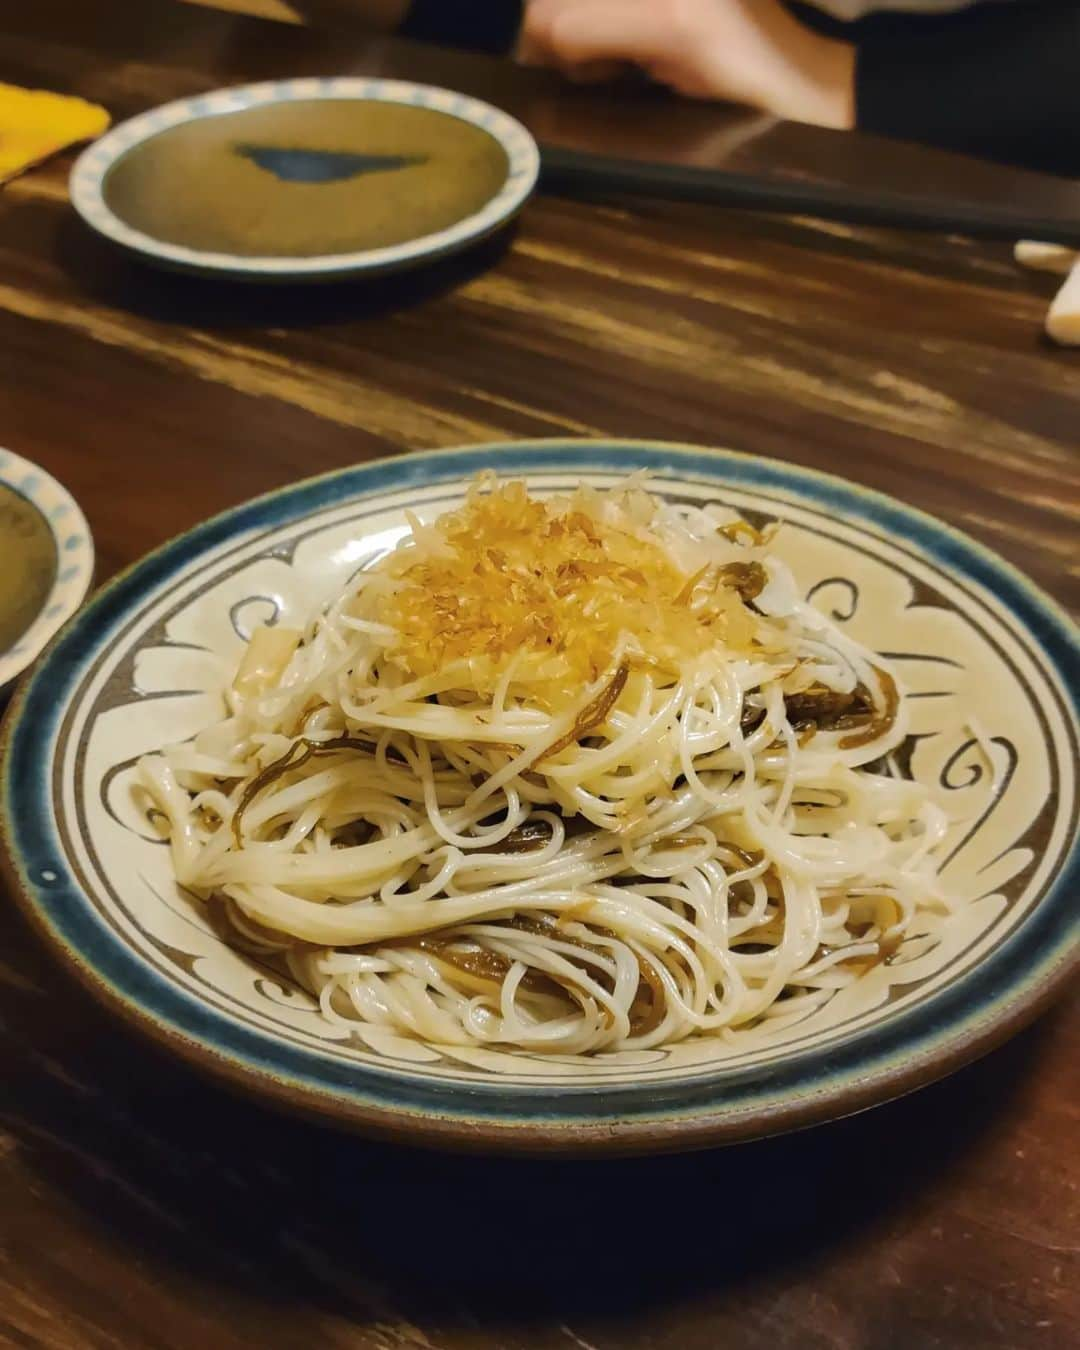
(570, 795)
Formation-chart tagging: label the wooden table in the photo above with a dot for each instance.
(141, 1207)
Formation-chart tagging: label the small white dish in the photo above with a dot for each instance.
(48, 561)
(282, 181)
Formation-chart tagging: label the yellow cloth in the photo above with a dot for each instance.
(35, 124)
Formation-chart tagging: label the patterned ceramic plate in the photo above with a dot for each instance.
(48, 561)
(307, 179)
(145, 663)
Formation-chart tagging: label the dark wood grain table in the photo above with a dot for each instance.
(141, 1207)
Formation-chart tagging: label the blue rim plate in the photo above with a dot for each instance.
(93, 165)
(940, 603)
(74, 554)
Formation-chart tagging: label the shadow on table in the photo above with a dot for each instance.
(122, 281)
(250, 1202)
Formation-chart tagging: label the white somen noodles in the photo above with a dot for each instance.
(569, 774)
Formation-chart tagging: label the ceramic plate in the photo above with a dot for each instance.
(144, 664)
(48, 561)
(307, 179)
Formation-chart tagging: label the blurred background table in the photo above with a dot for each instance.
(141, 1207)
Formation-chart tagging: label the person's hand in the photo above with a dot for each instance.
(745, 51)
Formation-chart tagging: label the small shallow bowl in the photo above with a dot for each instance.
(48, 562)
(988, 662)
(307, 180)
